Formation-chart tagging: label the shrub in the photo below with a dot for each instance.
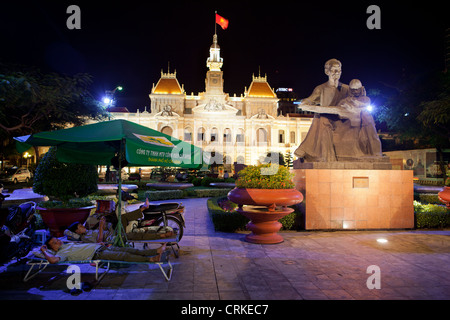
(207, 193)
(207, 180)
(197, 182)
(265, 176)
(163, 195)
(431, 216)
(429, 198)
(225, 221)
(64, 181)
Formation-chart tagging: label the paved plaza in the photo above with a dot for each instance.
(310, 265)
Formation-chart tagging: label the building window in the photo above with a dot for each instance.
(292, 140)
(261, 136)
(187, 135)
(281, 136)
(240, 137)
(214, 135)
(227, 135)
(167, 130)
(201, 134)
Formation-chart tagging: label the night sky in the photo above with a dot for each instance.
(128, 42)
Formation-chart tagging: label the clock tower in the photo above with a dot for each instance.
(214, 77)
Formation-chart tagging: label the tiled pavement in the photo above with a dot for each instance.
(307, 265)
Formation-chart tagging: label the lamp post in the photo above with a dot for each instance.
(109, 100)
(27, 156)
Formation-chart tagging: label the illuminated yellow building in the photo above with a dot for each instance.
(238, 129)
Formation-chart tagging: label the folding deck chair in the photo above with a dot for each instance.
(41, 264)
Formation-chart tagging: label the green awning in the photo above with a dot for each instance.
(98, 143)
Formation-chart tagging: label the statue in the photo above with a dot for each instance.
(343, 129)
(318, 145)
(167, 111)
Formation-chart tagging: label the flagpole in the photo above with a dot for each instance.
(215, 24)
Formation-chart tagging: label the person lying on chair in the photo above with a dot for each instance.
(104, 233)
(95, 251)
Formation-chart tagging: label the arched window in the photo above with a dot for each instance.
(214, 135)
(201, 134)
(240, 137)
(280, 136)
(227, 135)
(167, 130)
(261, 136)
(187, 134)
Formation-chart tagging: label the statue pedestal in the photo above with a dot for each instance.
(357, 199)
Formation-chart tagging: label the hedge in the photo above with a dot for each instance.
(154, 195)
(163, 195)
(429, 198)
(207, 193)
(431, 216)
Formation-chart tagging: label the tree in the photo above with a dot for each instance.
(288, 160)
(435, 113)
(32, 101)
(418, 111)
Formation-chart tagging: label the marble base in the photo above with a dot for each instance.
(338, 199)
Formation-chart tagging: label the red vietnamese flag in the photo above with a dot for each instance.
(221, 21)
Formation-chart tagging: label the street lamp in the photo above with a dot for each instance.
(108, 99)
(27, 156)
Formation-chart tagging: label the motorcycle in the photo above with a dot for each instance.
(164, 215)
(161, 215)
(17, 228)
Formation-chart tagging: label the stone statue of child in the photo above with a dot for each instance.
(361, 138)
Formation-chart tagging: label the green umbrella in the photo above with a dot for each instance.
(130, 144)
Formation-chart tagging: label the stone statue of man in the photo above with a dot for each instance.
(318, 145)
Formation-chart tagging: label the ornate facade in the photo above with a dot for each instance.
(237, 129)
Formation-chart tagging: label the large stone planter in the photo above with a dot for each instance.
(58, 219)
(265, 197)
(444, 196)
(264, 207)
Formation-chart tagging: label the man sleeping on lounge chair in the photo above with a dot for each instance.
(97, 251)
(78, 232)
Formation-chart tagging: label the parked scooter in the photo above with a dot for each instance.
(164, 215)
(17, 227)
(157, 215)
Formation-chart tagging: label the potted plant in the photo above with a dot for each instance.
(268, 185)
(65, 184)
(444, 195)
(267, 190)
